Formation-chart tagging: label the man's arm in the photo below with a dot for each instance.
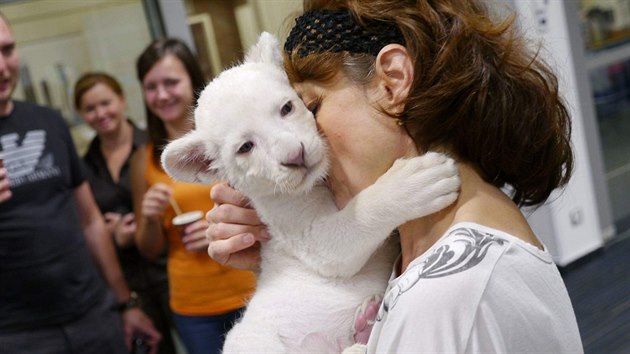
(102, 249)
(100, 245)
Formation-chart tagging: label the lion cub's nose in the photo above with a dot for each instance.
(296, 159)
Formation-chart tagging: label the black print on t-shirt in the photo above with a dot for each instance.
(25, 160)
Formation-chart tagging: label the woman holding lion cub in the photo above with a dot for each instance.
(387, 79)
(206, 297)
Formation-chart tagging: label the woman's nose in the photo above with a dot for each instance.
(162, 92)
(101, 111)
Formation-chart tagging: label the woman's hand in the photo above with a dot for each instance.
(235, 230)
(111, 221)
(155, 202)
(194, 238)
(121, 227)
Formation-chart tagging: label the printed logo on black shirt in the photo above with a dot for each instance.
(26, 162)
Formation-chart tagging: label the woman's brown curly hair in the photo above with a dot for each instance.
(478, 91)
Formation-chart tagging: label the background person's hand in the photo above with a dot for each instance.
(136, 322)
(121, 227)
(111, 221)
(235, 230)
(155, 201)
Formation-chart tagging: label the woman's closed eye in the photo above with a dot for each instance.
(313, 107)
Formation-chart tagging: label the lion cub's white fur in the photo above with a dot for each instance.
(253, 130)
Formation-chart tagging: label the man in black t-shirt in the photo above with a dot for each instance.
(53, 239)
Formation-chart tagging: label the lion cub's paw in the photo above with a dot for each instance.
(421, 185)
(364, 318)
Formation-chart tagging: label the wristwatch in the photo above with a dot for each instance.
(133, 301)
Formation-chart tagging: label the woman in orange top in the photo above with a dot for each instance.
(206, 297)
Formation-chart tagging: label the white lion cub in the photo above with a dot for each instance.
(322, 263)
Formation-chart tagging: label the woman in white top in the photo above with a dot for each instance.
(389, 79)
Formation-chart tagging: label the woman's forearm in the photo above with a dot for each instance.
(150, 238)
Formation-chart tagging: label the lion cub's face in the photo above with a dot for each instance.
(252, 130)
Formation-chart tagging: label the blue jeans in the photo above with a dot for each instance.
(205, 334)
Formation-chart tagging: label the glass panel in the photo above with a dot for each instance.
(606, 30)
(611, 86)
(59, 40)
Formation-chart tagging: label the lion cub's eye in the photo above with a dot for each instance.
(286, 109)
(245, 148)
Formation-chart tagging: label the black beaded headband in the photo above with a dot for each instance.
(327, 30)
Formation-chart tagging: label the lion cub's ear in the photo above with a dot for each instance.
(189, 159)
(266, 50)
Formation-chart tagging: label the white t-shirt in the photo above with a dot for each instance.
(477, 290)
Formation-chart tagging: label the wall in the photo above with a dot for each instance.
(235, 26)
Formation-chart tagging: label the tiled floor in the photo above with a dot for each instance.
(599, 287)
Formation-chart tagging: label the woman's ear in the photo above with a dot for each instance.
(394, 72)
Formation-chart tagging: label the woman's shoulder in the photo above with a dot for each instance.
(470, 263)
(460, 262)
(493, 211)
(475, 283)
(451, 280)
(463, 261)
(466, 250)
(478, 231)
(523, 297)
(440, 291)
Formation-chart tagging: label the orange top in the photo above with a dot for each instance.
(198, 285)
